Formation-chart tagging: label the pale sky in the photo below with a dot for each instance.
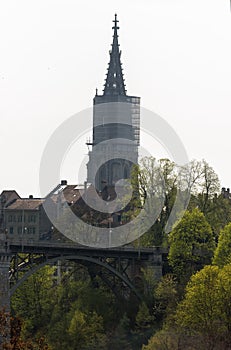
(176, 56)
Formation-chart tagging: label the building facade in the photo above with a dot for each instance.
(26, 218)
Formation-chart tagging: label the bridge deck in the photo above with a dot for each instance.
(58, 248)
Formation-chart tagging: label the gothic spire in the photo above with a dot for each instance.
(114, 84)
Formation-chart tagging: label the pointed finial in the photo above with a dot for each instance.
(116, 21)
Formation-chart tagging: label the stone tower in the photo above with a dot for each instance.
(116, 126)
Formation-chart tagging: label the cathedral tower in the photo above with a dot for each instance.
(116, 126)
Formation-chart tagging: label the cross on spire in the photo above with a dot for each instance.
(114, 84)
(116, 21)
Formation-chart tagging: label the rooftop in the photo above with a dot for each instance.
(25, 204)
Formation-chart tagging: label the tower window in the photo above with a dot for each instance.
(114, 85)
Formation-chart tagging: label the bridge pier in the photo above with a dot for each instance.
(155, 265)
(5, 258)
(153, 268)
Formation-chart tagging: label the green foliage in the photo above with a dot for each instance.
(80, 313)
(150, 283)
(166, 297)
(203, 184)
(219, 213)
(165, 178)
(222, 255)
(203, 318)
(199, 311)
(34, 301)
(206, 309)
(97, 299)
(82, 308)
(143, 318)
(86, 331)
(121, 337)
(156, 178)
(163, 340)
(191, 245)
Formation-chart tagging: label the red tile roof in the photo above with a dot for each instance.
(26, 204)
(70, 193)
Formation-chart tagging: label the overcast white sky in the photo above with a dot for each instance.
(176, 55)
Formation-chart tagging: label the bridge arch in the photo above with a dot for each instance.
(74, 257)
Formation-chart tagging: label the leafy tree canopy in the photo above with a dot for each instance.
(191, 244)
(222, 255)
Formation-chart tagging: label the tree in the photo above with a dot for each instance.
(86, 331)
(33, 301)
(166, 296)
(13, 341)
(156, 179)
(219, 213)
(205, 311)
(4, 329)
(143, 318)
(191, 245)
(199, 178)
(209, 186)
(203, 318)
(222, 254)
(169, 181)
(121, 337)
(164, 340)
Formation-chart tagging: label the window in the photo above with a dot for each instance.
(20, 218)
(20, 230)
(31, 230)
(32, 218)
(11, 230)
(10, 218)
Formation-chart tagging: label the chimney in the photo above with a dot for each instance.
(63, 182)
